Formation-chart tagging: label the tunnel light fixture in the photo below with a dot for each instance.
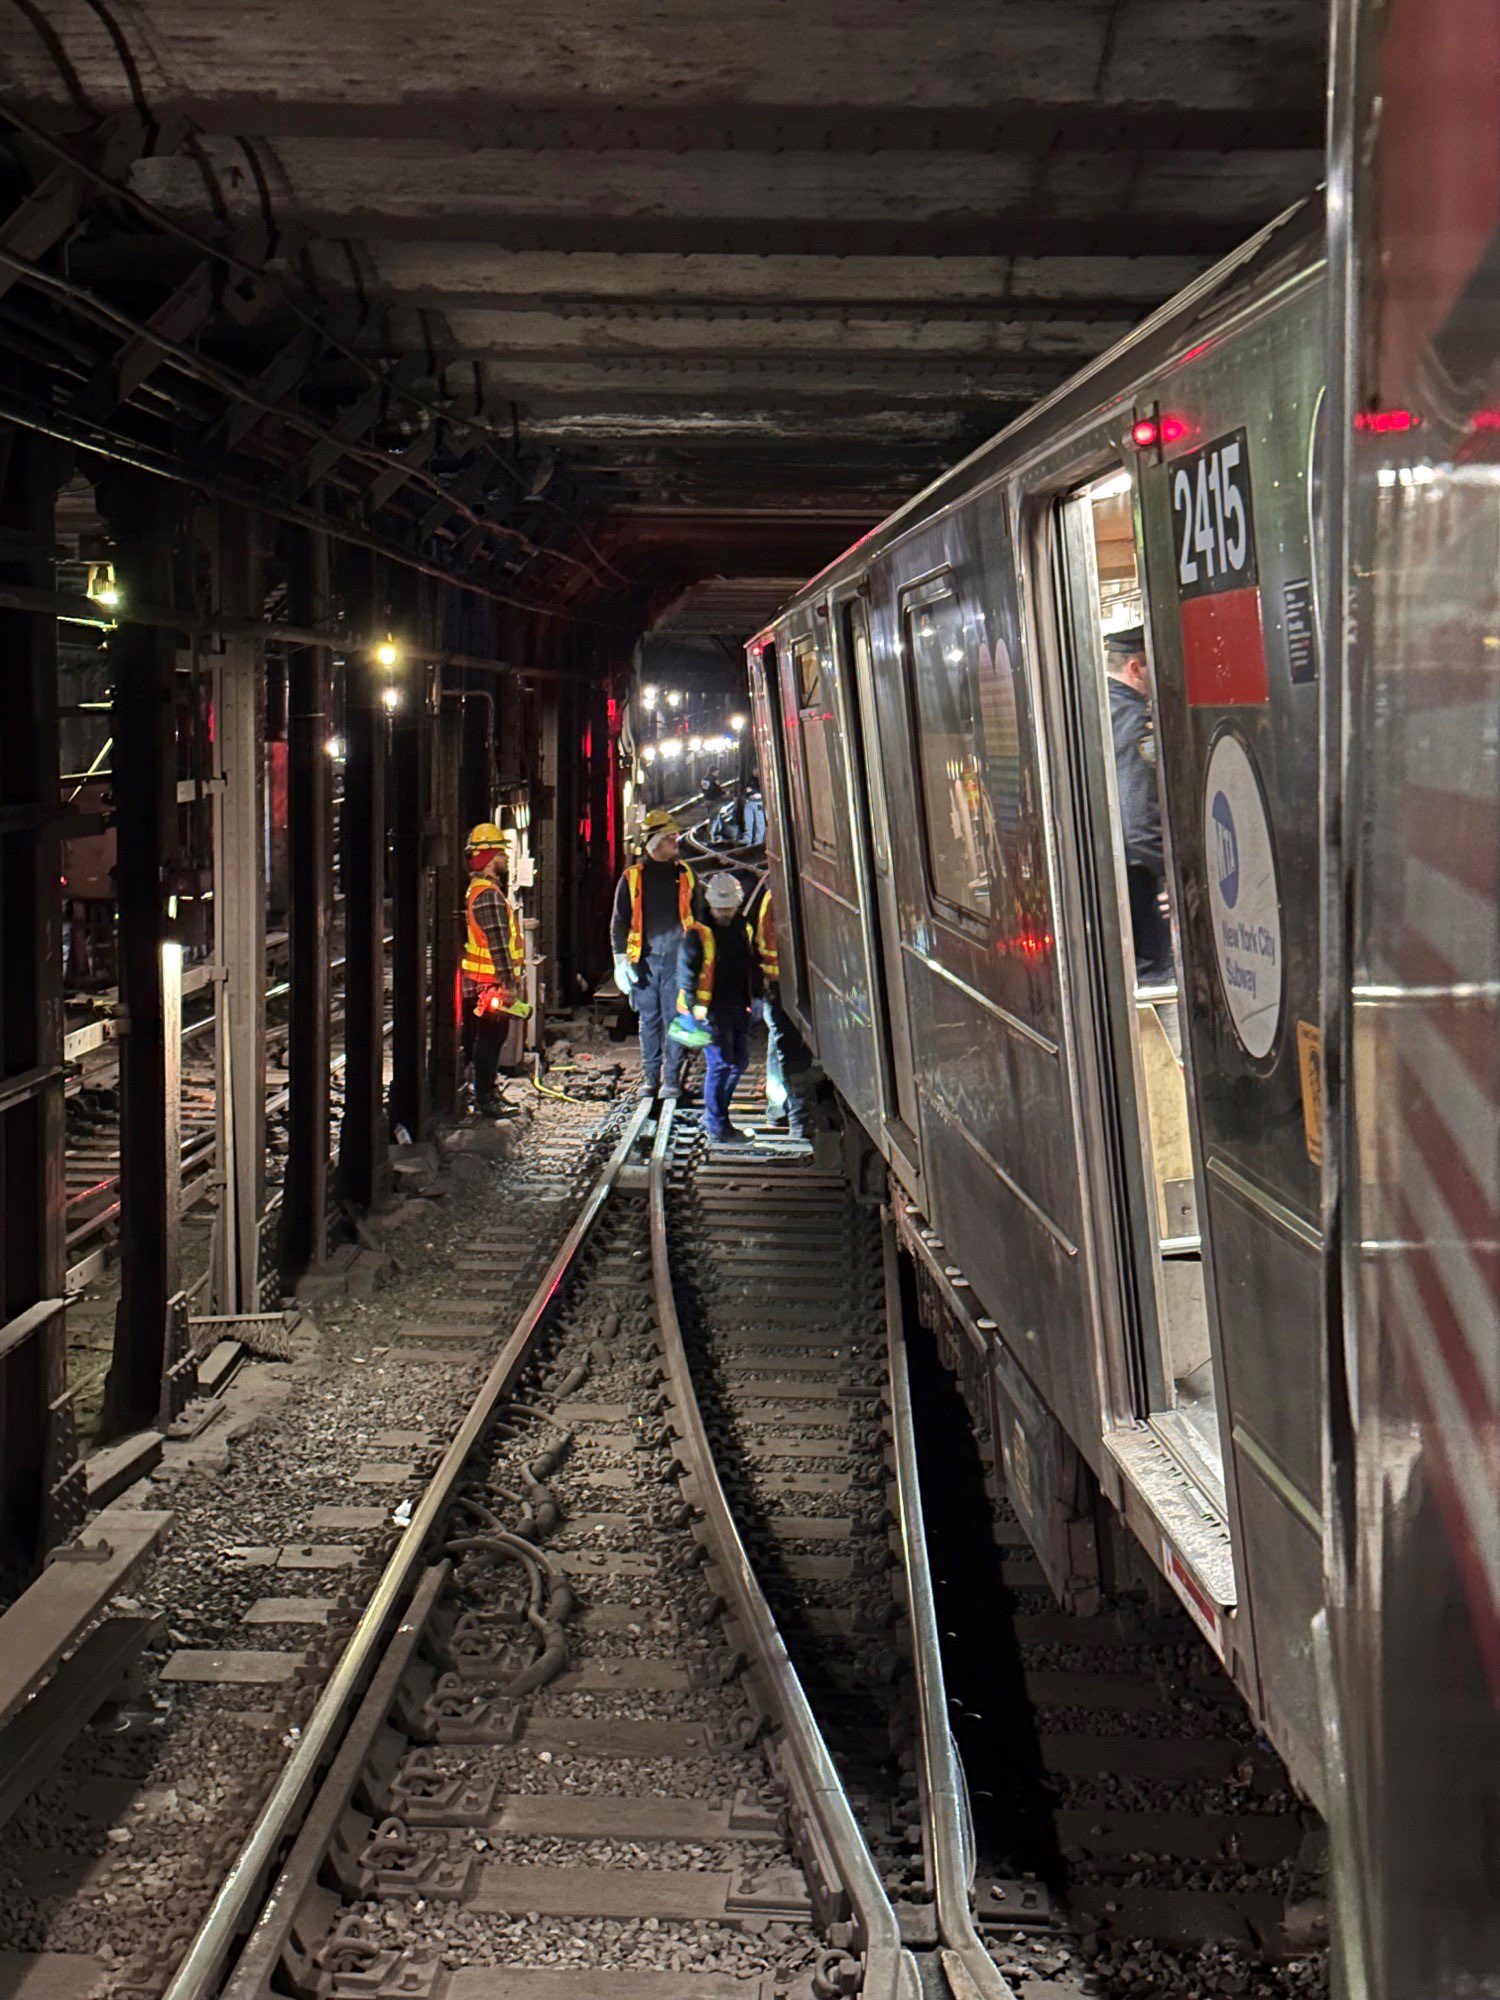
(695, 744)
(387, 653)
(103, 589)
(390, 699)
(737, 722)
(648, 753)
(671, 748)
(674, 697)
(649, 697)
(335, 748)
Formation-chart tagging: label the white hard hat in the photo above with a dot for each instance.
(724, 891)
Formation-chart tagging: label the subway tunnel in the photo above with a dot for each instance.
(408, 417)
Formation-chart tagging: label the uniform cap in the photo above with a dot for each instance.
(486, 834)
(1130, 639)
(724, 892)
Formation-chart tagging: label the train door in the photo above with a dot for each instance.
(1170, 1371)
(771, 747)
(870, 818)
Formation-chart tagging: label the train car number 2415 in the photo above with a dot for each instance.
(1212, 519)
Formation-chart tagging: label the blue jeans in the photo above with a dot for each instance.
(723, 1065)
(783, 1089)
(655, 1003)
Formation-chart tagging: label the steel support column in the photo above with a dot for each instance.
(591, 951)
(411, 755)
(547, 835)
(240, 924)
(476, 796)
(304, 1200)
(448, 899)
(143, 517)
(362, 1144)
(40, 1484)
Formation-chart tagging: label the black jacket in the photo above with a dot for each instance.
(1135, 769)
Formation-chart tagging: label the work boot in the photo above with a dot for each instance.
(775, 1117)
(647, 1091)
(726, 1135)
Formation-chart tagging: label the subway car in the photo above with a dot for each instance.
(1113, 1183)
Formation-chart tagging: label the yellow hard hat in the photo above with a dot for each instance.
(486, 834)
(659, 820)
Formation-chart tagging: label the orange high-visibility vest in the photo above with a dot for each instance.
(765, 936)
(635, 943)
(478, 964)
(703, 986)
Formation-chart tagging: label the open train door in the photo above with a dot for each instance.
(1410, 1645)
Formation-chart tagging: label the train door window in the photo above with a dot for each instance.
(1181, 1390)
(959, 834)
(774, 760)
(872, 828)
(815, 719)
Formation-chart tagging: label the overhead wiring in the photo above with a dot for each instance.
(243, 267)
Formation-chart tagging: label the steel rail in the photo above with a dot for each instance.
(890, 1973)
(975, 1976)
(206, 1957)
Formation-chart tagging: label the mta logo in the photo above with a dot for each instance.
(1226, 855)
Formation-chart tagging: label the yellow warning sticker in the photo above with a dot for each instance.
(1310, 1068)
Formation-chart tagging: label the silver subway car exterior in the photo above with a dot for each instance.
(1113, 1175)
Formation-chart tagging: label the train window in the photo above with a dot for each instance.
(809, 667)
(816, 730)
(959, 723)
(857, 650)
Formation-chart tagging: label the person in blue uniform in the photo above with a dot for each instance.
(717, 981)
(1140, 802)
(653, 903)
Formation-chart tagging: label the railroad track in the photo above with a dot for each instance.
(563, 1744)
(649, 1698)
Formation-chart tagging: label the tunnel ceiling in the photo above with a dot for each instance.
(718, 285)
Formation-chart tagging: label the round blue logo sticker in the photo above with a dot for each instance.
(1226, 851)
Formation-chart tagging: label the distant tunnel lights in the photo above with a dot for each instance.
(674, 697)
(387, 653)
(390, 699)
(671, 749)
(737, 722)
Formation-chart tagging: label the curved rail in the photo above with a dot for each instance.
(971, 1972)
(889, 1971)
(206, 1956)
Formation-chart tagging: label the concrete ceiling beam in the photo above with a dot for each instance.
(1225, 54)
(432, 188)
(455, 274)
(502, 336)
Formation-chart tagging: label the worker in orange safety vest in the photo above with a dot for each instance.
(653, 905)
(494, 963)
